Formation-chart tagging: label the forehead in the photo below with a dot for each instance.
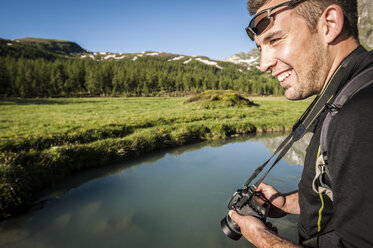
(270, 4)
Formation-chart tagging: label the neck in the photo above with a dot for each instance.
(338, 51)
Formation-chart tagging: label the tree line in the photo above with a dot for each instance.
(146, 76)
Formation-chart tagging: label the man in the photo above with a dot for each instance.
(303, 43)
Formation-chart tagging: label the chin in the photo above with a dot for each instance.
(293, 95)
(289, 94)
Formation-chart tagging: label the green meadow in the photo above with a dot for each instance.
(43, 140)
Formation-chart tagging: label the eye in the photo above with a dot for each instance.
(274, 41)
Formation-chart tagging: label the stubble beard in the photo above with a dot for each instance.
(310, 82)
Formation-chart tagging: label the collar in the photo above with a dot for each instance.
(350, 66)
(357, 61)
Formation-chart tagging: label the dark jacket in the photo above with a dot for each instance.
(347, 221)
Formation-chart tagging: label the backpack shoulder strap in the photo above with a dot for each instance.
(361, 81)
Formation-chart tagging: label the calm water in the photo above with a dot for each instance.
(175, 198)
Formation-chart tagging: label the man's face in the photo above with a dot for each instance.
(293, 53)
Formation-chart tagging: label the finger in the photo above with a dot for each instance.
(261, 186)
(269, 225)
(234, 216)
(265, 189)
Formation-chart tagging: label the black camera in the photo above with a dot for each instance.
(245, 202)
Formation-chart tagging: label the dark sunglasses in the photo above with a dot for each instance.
(263, 20)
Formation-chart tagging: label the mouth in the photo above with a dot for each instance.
(283, 77)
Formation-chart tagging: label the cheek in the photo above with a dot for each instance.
(286, 55)
(296, 55)
(296, 48)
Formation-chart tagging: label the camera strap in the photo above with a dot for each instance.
(310, 115)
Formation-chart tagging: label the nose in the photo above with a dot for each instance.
(267, 60)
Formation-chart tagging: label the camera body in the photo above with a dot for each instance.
(246, 202)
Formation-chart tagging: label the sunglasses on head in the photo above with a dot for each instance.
(262, 20)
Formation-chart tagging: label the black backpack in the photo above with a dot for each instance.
(361, 81)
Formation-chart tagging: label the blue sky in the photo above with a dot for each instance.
(213, 28)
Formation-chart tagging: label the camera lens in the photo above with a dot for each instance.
(230, 228)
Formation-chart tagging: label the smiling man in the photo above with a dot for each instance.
(312, 48)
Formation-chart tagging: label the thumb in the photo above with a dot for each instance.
(235, 216)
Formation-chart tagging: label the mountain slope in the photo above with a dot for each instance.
(56, 46)
(250, 59)
(32, 48)
(16, 49)
(149, 73)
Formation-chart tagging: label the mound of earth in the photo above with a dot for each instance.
(218, 99)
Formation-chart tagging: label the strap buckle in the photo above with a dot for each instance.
(332, 107)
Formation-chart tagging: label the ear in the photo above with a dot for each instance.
(331, 23)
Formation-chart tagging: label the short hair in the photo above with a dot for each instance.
(311, 10)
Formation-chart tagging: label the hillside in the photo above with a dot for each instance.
(250, 59)
(47, 68)
(184, 59)
(55, 46)
(16, 49)
(33, 48)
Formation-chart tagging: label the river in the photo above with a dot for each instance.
(172, 198)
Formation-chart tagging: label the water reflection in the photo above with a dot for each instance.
(295, 155)
(173, 198)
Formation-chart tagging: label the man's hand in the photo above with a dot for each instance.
(257, 233)
(251, 227)
(281, 204)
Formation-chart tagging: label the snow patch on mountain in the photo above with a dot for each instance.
(208, 62)
(113, 56)
(252, 58)
(205, 61)
(237, 60)
(152, 54)
(177, 58)
(187, 61)
(87, 56)
(103, 56)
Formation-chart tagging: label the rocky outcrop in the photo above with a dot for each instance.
(365, 8)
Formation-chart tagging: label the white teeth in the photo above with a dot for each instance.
(283, 76)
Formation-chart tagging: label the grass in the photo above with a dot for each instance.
(43, 140)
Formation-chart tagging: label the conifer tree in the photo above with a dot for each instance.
(4, 79)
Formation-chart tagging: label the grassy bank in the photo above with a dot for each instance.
(43, 140)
